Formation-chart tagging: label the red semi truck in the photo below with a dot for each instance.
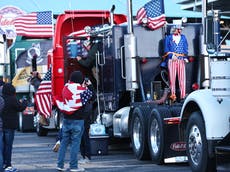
(66, 25)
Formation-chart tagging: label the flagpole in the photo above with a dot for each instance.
(52, 25)
(130, 48)
(130, 16)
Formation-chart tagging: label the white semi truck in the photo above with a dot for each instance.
(128, 68)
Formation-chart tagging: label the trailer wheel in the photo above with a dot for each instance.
(41, 131)
(25, 122)
(139, 135)
(156, 137)
(197, 146)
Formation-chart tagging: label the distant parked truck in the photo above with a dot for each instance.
(21, 58)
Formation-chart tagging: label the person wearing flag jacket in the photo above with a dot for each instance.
(76, 95)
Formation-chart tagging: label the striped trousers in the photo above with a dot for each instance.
(177, 68)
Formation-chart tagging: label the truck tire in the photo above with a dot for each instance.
(197, 145)
(25, 122)
(41, 131)
(139, 134)
(156, 137)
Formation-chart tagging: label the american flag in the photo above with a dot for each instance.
(35, 24)
(75, 48)
(74, 96)
(86, 96)
(153, 11)
(43, 97)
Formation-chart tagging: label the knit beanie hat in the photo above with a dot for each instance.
(76, 77)
(8, 89)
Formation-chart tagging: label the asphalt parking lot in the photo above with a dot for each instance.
(34, 154)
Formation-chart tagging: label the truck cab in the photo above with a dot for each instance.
(206, 137)
(67, 25)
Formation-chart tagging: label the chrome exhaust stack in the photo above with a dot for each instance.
(112, 15)
(130, 44)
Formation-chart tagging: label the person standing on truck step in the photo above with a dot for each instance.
(176, 50)
(89, 60)
(76, 94)
(10, 122)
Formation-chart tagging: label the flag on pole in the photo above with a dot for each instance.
(35, 24)
(153, 12)
(74, 96)
(43, 97)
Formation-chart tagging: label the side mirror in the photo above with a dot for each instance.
(212, 31)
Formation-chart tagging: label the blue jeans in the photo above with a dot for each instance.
(8, 139)
(59, 136)
(1, 151)
(71, 133)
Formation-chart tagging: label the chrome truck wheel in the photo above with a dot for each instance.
(20, 122)
(197, 145)
(156, 137)
(139, 134)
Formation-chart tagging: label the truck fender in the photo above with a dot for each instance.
(121, 122)
(216, 114)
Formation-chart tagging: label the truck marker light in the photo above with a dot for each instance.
(174, 120)
(144, 60)
(60, 70)
(195, 86)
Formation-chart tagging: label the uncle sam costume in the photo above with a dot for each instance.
(176, 50)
